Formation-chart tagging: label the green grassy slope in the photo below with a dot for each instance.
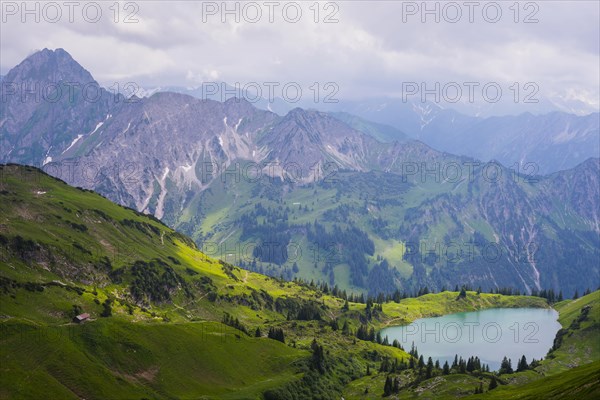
(580, 343)
(579, 383)
(114, 359)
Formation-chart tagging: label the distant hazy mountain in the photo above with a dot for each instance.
(381, 132)
(551, 142)
(231, 174)
(221, 91)
(538, 143)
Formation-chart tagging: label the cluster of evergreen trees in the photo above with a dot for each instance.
(364, 333)
(506, 366)
(391, 386)
(271, 226)
(587, 291)
(522, 365)
(152, 281)
(382, 278)
(355, 244)
(426, 370)
(277, 334)
(234, 323)
(469, 365)
(549, 295)
(309, 311)
(393, 366)
(429, 369)
(106, 308)
(317, 362)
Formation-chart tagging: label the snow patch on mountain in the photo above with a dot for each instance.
(160, 207)
(97, 127)
(47, 159)
(72, 143)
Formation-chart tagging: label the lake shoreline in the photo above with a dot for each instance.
(489, 334)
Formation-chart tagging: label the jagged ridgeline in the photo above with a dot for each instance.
(307, 195)
(100, 301)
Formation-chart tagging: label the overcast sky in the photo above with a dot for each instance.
(368, 48)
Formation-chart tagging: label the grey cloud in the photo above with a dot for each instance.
(370, 52)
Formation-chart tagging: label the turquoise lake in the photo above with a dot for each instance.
(488, 334)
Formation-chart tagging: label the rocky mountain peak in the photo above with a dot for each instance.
(50, 66)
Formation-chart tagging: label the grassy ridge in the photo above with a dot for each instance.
(580, 343)
(434, 305)
(112, 359)
(578, 383)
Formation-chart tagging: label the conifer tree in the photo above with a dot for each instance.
(396, 388)
(522, 364)
(446, 368)
(429, 371)
(506, 366)
(388, 387)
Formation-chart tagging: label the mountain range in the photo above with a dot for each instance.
(540, 144)
(367, 213)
